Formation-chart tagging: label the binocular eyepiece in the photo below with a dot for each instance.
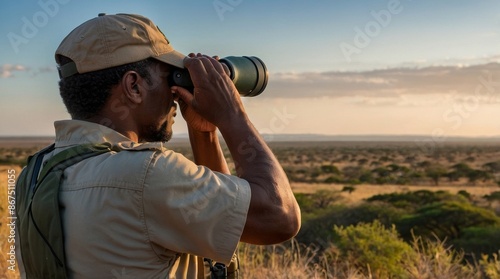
(248, 73)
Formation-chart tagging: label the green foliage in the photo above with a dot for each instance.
(415, 199)
(445, 219)
(317, 204)
(329, 169)
(475, 175)
(348, 189)
(465, 194)
(325, 198)
(367, 213)
(370, 246)
(367, 177)
(317, 227)
(495, 196)
(424, 213)
(493, 167)
(333, 179)
(479, 240)
(435, 172)
(305, 202)
(13, 161)
(462, 168)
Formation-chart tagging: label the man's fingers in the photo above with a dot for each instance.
(226, 69)
(207, 63)
(216, 64)
(196, 68)
(183, 94)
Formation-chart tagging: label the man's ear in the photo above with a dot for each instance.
(130, 83)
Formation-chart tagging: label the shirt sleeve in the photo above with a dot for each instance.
(191, 209)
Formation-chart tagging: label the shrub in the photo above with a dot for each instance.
(329, 169)
(479, 240)
(348, 189)
(415, 199)
(374, 248)
(446, 220)
(495, 196)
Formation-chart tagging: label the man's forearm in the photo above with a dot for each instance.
(252, 156)
(207, 150)
(273, 206)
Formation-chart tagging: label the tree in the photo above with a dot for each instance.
(493, 167)
(324, 198)
(362, 161)
(462, 168)
(495, 196)
(348, 189)
(329, 169)
(383, 175)
(475, 175)
(435, 172)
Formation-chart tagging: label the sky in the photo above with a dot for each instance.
(367, 67)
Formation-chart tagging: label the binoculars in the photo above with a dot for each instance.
(248, 73)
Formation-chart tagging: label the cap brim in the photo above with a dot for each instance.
(173, 58)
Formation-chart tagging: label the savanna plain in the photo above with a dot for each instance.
(369, 210)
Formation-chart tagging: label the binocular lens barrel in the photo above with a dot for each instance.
(248, 73)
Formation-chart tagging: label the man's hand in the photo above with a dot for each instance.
(193, 119)
(215, 98)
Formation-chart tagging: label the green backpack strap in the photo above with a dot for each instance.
(74, 155)
(41, 234)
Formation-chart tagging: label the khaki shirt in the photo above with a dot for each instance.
(145, 211)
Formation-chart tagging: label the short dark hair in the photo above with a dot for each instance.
(84, 95)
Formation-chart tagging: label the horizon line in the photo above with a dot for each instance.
(308, 135)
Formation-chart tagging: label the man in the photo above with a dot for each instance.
(146, 211)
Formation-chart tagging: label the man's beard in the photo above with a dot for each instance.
(153, 134)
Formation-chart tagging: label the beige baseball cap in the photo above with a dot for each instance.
(113, 40)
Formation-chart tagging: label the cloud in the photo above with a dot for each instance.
(8, 70)
(459, 80)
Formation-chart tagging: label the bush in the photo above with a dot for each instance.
(416, 199)
(330, 169)
(479, 240)
(317, 227)
(374, 248)
(446, 220)
(367, 213)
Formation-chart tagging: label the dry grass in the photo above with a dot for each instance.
(435, 260)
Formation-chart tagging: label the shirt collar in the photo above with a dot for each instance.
(73, 132)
